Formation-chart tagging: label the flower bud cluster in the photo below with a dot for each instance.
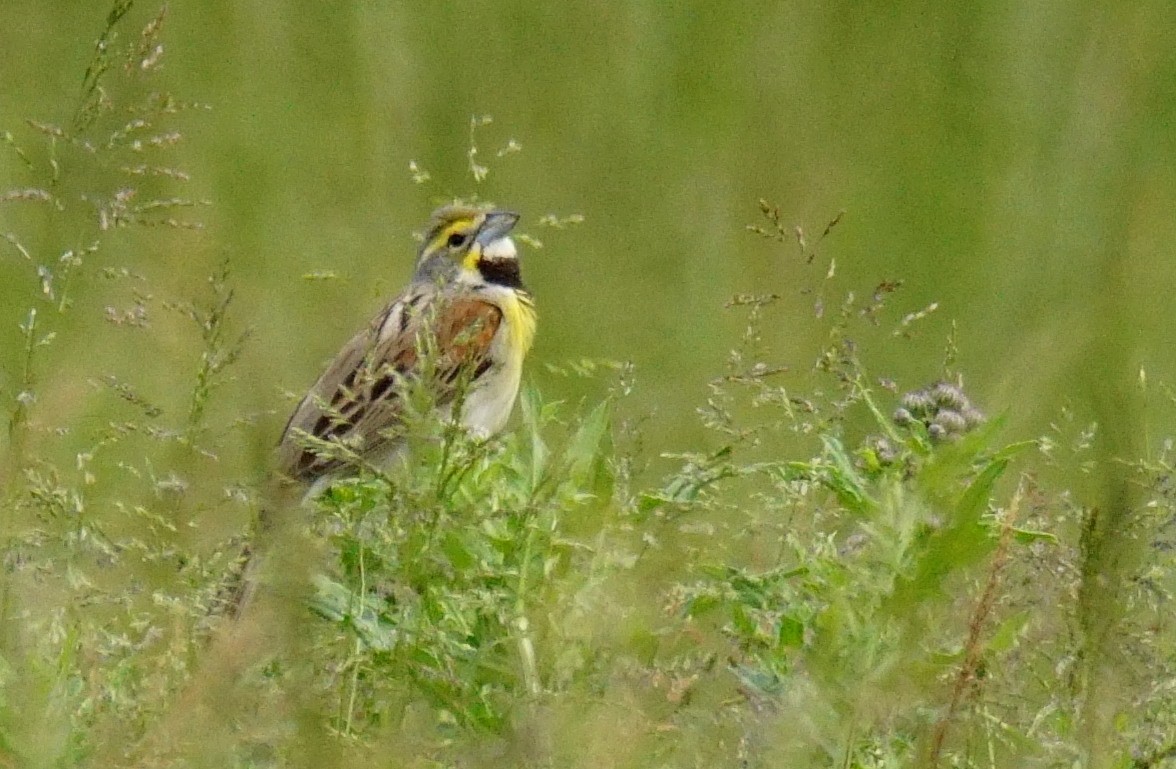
(942, 408)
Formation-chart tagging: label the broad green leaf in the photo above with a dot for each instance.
(584, 450)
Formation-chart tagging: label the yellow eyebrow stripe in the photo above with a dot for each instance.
(458, 226)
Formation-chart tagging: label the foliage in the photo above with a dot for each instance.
(449, 570)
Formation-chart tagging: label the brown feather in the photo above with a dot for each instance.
(360, 393)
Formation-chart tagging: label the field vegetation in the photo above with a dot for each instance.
(828, 521)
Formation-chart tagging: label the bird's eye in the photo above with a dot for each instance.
(457, 240)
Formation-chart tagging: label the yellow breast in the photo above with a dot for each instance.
(488, 405)
(519, 312)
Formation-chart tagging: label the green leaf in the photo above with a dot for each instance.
(457, 551)
(962, 542)
(648, 502)
(335, 602)
(584, 452)
(974, 501)
(1007, 632)
(744, 624)
(533, 418)
(842, 478)
(702, 604)
(1028, 536)
(791, 632)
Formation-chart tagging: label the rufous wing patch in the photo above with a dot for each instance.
(359, 392)
(466, 329)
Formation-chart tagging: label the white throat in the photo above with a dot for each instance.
(503, 248)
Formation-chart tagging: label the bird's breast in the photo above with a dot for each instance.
(489, 403)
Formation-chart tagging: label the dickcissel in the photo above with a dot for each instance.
(461, 328)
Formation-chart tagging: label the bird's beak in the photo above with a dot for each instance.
(497, 225)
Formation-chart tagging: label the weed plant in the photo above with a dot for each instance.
(853, 572)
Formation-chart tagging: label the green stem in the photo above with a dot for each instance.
(358, 646)
(526, 644)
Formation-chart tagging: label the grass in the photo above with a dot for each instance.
(850, 573)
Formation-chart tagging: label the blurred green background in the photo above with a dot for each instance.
(1011, 161)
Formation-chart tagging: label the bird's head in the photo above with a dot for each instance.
(470, 245)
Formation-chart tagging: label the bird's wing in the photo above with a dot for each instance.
(356, 406)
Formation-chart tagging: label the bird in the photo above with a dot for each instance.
(461, 329)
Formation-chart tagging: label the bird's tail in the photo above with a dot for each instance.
(240, 583)
(279, 516)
